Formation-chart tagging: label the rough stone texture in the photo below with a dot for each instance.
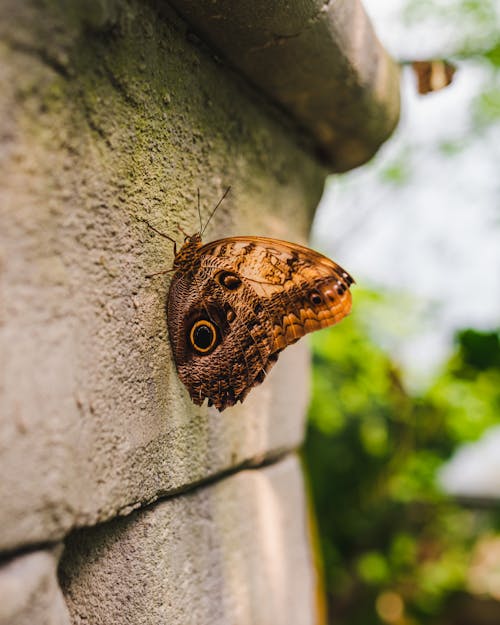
(29, 590)
(235, 552)
(112, 113)
(319, 61)
(100, 130)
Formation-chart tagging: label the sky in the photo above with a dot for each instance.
(436, 238)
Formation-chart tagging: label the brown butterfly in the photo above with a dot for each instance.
(433, 75)
(235, 303)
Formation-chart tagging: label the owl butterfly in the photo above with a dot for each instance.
(433, 75)
(235, 303)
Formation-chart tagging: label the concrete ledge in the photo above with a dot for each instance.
(320, 62)
(232, 553)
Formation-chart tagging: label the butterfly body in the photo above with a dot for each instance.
(235, 303)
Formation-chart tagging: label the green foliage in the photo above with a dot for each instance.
(477, 351)
(399, 171)
(468, 391)
(372, 453)
(492, 54)
(487, 106)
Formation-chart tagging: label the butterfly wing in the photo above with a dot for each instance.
(300, 289)
(433, 75)
(258, 295)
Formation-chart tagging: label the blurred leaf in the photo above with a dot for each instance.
(373, 568)
(487, 106)
(451, 148)
(479, 350)
(398, 173)
(492, 54)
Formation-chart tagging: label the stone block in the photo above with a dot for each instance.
(232, 553)
(320, 62)
(100, 131)
(29, 590)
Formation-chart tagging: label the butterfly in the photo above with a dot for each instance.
(433, 75)
(234, 304)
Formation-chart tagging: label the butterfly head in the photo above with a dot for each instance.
(188, 253)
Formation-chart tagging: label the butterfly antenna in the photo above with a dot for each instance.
(162, 234)
(216, 207)
(160, 273)
(199, 211)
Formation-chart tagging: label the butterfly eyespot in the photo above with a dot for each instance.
(203, 336)
(229, 280)
(316, 298)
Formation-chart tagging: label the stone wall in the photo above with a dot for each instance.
(113, 113)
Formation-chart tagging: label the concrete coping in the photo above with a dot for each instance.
(321, 62)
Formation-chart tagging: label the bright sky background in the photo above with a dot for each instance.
(438, 235)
